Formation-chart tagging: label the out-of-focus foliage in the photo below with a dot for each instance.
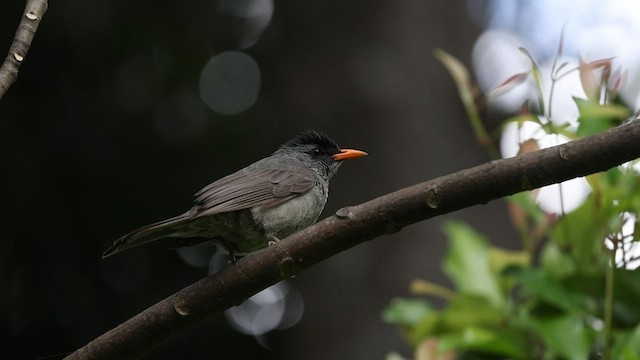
(570, 293)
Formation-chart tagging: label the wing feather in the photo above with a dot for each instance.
(249, 187)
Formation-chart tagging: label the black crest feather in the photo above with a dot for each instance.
(311, 137)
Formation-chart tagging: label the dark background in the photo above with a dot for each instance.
(85, 159)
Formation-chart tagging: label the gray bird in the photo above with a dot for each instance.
(264, 202)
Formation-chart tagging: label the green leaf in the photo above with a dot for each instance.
(620, 192)
(627, 345)
(537, 76)
(461, 312)
(582, 233)
(596, 118)
(565, 335)
(424, 287)
(626, 311)
(470, 310)
(462, 78)
(468, 265)
(557, 263)
(504, 263)
(427, 328)
(407, 312)
(501, 259)
(492, 341)
(541, 285)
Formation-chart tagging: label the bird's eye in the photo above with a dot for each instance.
(315, 152)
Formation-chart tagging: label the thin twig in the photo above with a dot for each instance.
(33, 13)
(356, 224)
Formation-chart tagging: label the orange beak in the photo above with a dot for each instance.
(346, 154)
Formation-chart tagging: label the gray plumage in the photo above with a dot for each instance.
(266, 201)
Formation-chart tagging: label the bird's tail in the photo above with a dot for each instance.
(152, 232)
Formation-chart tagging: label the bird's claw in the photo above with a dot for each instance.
(273, 240)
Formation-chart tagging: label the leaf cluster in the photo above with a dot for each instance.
(570, 292)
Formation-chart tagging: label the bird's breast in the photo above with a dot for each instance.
(293, 215)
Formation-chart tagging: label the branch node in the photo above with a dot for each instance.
(18, 57)
(433, 198)
(563, 153)
(180, 306)
(344, 213)
(31, 15)
(288, 267)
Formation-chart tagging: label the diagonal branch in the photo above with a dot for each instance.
(356, 224)
(33, 13)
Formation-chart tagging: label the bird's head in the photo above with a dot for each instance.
(319, 151)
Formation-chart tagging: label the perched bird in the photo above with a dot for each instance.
(264, 202)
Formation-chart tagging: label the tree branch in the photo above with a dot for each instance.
(33, 13)
(356, 224)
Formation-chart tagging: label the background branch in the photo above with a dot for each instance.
(355, 224)
(33, 13)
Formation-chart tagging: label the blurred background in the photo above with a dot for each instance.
(122, 110)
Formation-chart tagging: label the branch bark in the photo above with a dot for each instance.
(355, 224)
(33, 13)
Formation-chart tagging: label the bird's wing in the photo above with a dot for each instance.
(248, 188)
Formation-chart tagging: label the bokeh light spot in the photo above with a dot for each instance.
(254, 16)
(230, 82)
(276, 307)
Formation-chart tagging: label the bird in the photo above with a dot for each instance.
(257, 205)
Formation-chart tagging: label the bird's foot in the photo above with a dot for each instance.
(232, 257)
(273, 240)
